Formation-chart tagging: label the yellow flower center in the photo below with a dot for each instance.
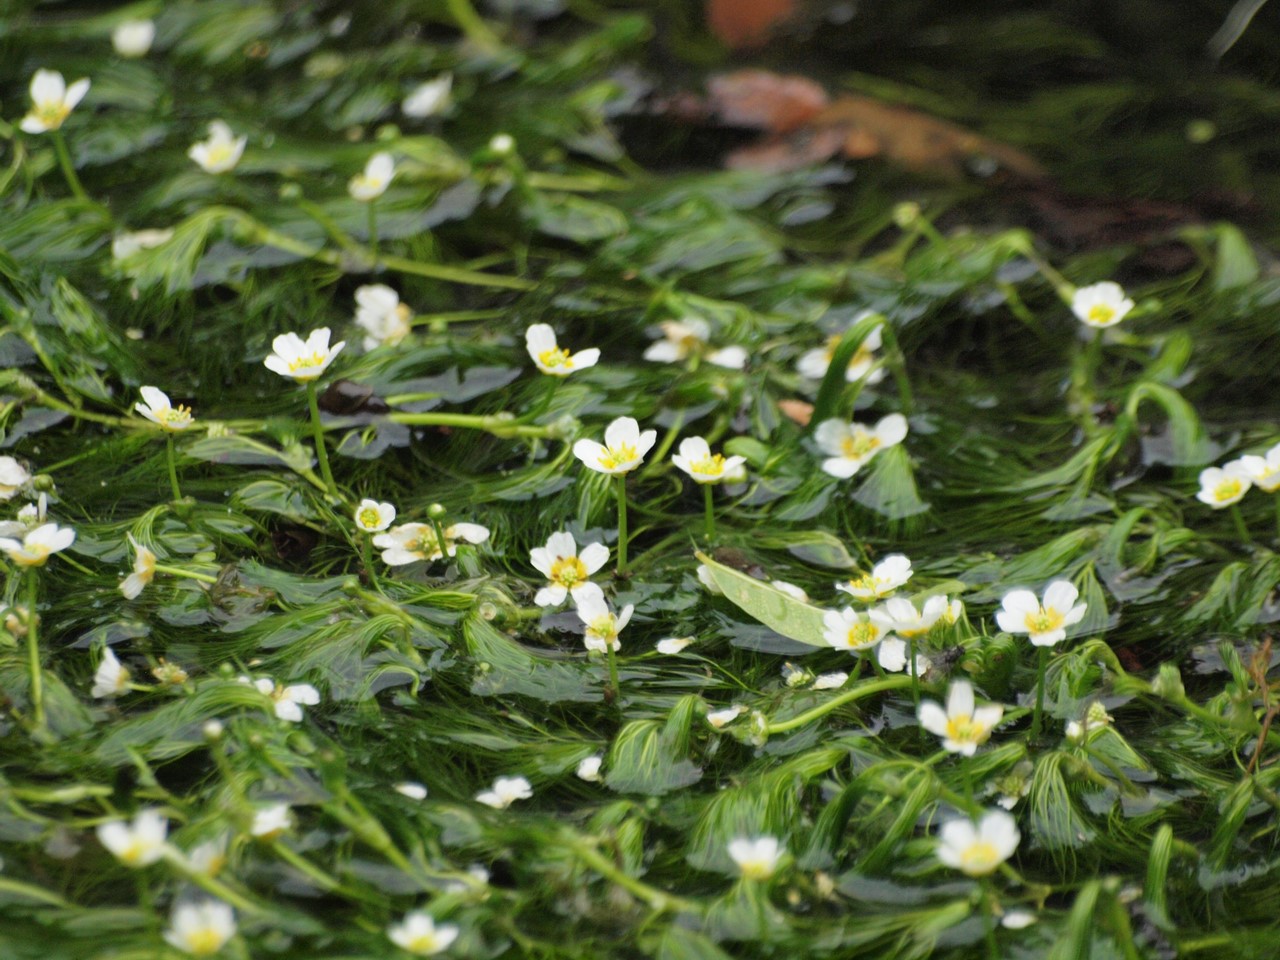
(860, 356)
(134, 852)
(204, 942)
(218, 154)
(710, 466)
(962, 729)
(369, 517)
(174, 418)
(426, 544)
(614, 457)
(1044, 620)
(756, 869)
(52, 113)
(568, 572)
(31, 556)
(863, 634)
(1228, 489)
(980, 857)
(316, 359)
(555, 358)
(424, 944)
(1101, 314)
(859, 444)
(604, 627)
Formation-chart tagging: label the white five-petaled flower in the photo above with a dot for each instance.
(372, 182)
(962, 726)
(1045, 624)
(672, 645)
(221, 152)
(851, 630)
(892, 656)
(417, 541)
(757, 858)
(1263, 471)
(568, 571)
(815, 363)
(722, 718)
(505, 791)
(603, 625)
(37, 545)
(1222, 486)
(133, 38)
(623, 450)
(900, 617)
(885, 577)
(137, 844)
(549, 357)
(381, 315)
(419, 935)
(12, 477)
(111, 678)
(271, 822)
(1101, 304)
(155, 406)
(428, 99)
(209, 856)
(696, 459)
(684, 338)
(374, 517)
(51, 101)
(850, 446)
(144, 570)
(288, 700)
(978, 850)
(299, 359)
(589, 768)
(201, 929)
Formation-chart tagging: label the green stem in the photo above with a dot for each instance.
(68, 168)
(1241, 530)
(317, 430)
(442, 541)
(1040, 671)
(709, 512)
(498, 425)
(186, 574)
(33, 651)
(620, 489)
(366, 557)
(471, 24)
(210, 884)
(614, 683)
(989, 921)
(172, 459)
(657, 899)
(373, 231)
(857, 693)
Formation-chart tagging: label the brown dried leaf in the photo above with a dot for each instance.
(742, 24)
(761, 100)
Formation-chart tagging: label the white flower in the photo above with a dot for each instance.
(603, 626)
(133, 38)
(51, 101)
(1222, 486)
(210, 856)
(790, 589)
(683, 338)
(12, 478)
(624, 448)
(1045, 624)
(221, 152)
(428, 99)
(299, 359)
(32, 515)
(568, 571)
(155, 406)
(419, 935)
(137, 844)
(814, 363)
(1100, 305)
(502, 144)
(1264, 471)
(270, 822)
(705, 578)
(794, 676)
(830, 681)
(374, 517)
(506, 791)
(885, 577)
(144, 570)
(892, 656)
(589, 768)
(111, 678)
(288, 700)
(38, 544)
(125, 245)
(851, 630)
(201, 929)
(417, 541)
(384, 319)
(549, 357)
(1095, 718)
(962, 727)
(696, 459)
(1014, 785)
(721, 718)
(899, 616)
(373, 181)
(850, 446)
(674, 644)
(978, 850)
(412, 789)
(757, 858)
(1017, 919)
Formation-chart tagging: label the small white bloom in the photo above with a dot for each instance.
(51, 101)
(589, 768)
(506, 791)
(830, 681)
(721, 718)
(549, 357)
(374, 517)
(757, 857)
(303, 360)
(125, 245)
(689, 337)
(1264, 471)
(1017, 919)
(412, 789)
(900, 617)
(288, 700)
(1101, 304)
(603, 626)
(201, 929)
(623, 450)
(380, 314)
(37, 545)
(1222, 486)
(1095, 718)
(271, 822)
(696, 459)
(885, 577)
(790, 589)
(373, 181)
(133, 38)
(815, 363)
(111, 678)
(503, 144)
(221, 152)
(892, 656)
(210, 856)
(417, 541)
(568, 571)
(137, 844)
(12, 477)
(212, 729)
(851, 630)
(31, 515)
(962, 727)
(794, 676)
(672, 645)
(705, 578)
(978, 850)
(850, 446)
(1044, 624)
(155, 406)
(419, 935)
(428, 99)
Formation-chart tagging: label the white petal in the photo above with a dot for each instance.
(594, 556)
(1060, 595)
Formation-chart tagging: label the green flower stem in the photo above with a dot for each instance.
(68, 168)
(620, 489)
(317, 875)
(366, 557)
(330, 226)
(442, 541)
(1041, 665)
(658, 900)
(896, 361)
(33, 650)
(185, 574)
(1241, 530)
(989, 899)
(499, 425)
(373, 231)
(317, 430)
(709, 512)
(857, 693)
(29, 891)
(171, 457)
(209, 884)
(614, 683)
(471, 24)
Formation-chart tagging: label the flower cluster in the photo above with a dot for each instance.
(1222, 486)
